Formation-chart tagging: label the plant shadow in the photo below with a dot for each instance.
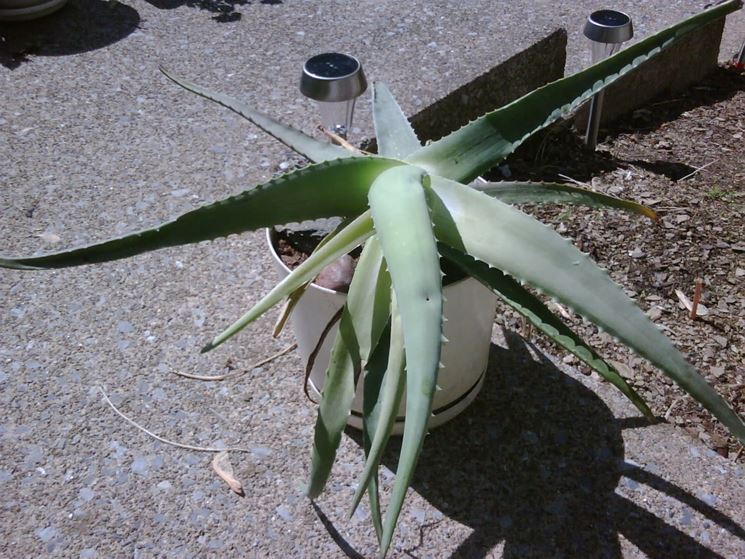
(80, 26)
(225, 10)
(534, 464)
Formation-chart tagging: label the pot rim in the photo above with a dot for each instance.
(271, 234)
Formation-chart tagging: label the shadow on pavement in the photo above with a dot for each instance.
(80, 26)
(534, 463)
(225, 10)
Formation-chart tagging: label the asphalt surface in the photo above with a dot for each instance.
(95, 142)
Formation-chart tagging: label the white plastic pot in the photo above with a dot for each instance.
(21, 10)
(469, 309)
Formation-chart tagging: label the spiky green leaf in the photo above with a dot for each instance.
(558, 193)
(369, 297)
(529, 251)
(344, 241)
(309, 193)
(384, 388)
(532, 308)
(362, 322)
(335, 405)
(305, 145)
(481, 144)
(396, 138)
(403, 225)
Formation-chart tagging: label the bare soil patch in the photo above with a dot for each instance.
(683, 156)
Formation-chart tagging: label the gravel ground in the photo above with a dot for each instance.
(683, 157)
(94, 142)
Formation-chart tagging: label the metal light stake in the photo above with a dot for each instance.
(608, 30)
(334, 80)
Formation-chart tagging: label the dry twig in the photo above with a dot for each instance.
(161, 439)
(697, 170)
(696, 297)
(288, 349)
(341, 141)
(575, 181)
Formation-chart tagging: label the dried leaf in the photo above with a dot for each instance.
(562, 310)
(686, 302)
(223, 468)
(49, 237)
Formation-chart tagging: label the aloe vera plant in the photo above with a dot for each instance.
(409, 207)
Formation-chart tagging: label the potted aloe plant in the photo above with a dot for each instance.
(410, 207)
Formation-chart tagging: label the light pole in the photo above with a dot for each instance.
(608, 30)
(334, 81)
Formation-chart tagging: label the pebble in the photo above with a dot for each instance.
(46, 534)
(707, 498)
(87, 494)
(654, 313)
(284, 513)
(140, 465)
(419, 515)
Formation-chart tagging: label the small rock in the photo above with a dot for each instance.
(87, 494)
(337, 275)
(636, 253)
(50, 238)
(46, 534)
(708, 498)
(140, 466)
(654, 313)
(717, 371)
(663, 144)
(284, 513)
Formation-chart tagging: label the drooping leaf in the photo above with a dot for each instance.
(483, 143)
(372, 384)
(362, 322)
(307, 146)
(370, 301)
(532, 308)
(396, 138)
(309, 193)
(384, 387)
(558, 193)
(403, 225)
(336, 402)
(524, 248)
(347, 239)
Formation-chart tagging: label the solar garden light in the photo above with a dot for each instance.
(334, 80)
(608, 30)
